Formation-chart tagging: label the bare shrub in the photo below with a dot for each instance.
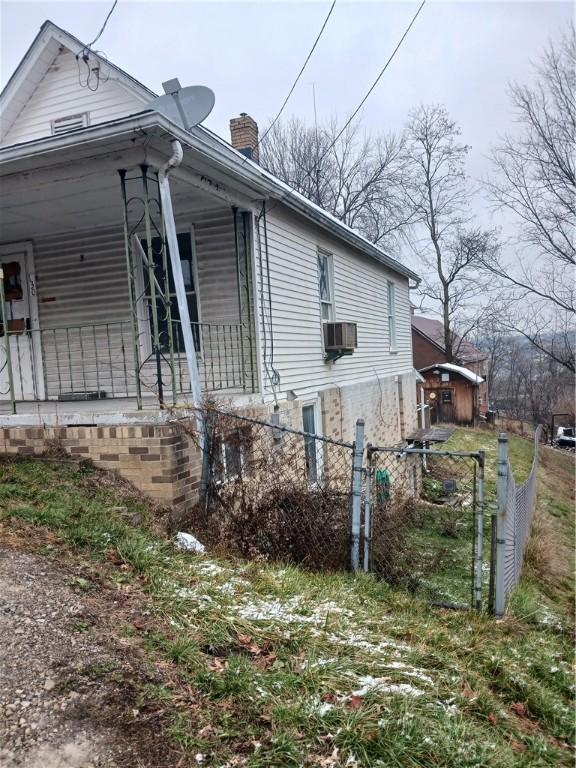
(274, 494)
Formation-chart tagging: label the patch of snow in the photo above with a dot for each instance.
(287, 612)
(189, 543)
(319, 663)
(383, 685)
(209, 568)
(409, 671)
(318, 707)
(359, 641)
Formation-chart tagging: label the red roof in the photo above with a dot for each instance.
(434, 331)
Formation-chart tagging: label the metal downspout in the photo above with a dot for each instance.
(170, 226)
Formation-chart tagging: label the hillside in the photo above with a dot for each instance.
(234, 663)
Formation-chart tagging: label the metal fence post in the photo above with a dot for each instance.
(368, 516)
(358, 457)
(500, 565)
(479, 534)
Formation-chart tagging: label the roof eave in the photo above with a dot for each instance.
(250, 173)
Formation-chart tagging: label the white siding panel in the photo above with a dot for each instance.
(81, 283)
(60, 93)
(360, 297)
(214, 236)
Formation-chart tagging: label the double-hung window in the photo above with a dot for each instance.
(392, 316)
(326, 286)
(186, 249)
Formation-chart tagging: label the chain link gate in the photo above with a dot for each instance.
(423, 524)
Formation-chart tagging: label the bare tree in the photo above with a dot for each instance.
(493, 339)
(535, 181)
(449, 247)
(355, 177)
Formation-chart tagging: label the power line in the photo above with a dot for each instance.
(375, 83)
(295, 83)
(93, 73)
(359, 107)
(99, 35)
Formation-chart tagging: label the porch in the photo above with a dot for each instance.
(90, 321)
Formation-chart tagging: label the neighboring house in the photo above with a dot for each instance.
(98, 358)
(429, 350)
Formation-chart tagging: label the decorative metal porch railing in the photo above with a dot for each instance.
(102, 361)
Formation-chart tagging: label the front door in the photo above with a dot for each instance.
(21, 314)
(446, 406)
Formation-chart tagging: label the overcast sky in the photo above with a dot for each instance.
(462, 54)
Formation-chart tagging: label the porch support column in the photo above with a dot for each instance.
(131, 292)
(246, 239)
(168, 303)
(4, 315)
(152, 284)
(240, 307)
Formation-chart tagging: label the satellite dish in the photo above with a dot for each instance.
(184, 106)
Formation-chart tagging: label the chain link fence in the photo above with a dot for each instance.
(424, 525)
(511, 524)
(413, 517)
(275, 492)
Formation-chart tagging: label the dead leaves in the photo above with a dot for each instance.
(519, 709)
(354, 702)
(262, 656)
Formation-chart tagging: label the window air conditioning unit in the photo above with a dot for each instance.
(340, 338)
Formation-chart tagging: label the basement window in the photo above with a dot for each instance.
(69, 123)
(228, 456)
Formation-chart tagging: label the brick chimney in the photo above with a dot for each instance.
(244, 135)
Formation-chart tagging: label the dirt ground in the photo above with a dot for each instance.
(67, 693)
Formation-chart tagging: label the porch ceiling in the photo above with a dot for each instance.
(75, 193)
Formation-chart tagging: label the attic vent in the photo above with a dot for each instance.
(69, 123)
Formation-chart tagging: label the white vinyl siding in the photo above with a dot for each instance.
(59, 95)
(81, 281)
(360, 296)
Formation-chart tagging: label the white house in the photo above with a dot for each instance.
(91, 350)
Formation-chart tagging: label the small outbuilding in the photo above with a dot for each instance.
(451, 393)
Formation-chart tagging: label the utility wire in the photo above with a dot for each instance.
(375, 83)
(84, 55)
(295, 83)
(99, 35)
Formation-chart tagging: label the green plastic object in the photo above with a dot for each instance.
(382, 478)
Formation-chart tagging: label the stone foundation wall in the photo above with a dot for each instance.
(387, 405)
(161, 460)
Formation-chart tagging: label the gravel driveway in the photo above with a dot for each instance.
(63, 702)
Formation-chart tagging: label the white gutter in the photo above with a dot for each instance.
(170, 227)
(215, 149)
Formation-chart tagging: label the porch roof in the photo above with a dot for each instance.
(222, 168)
